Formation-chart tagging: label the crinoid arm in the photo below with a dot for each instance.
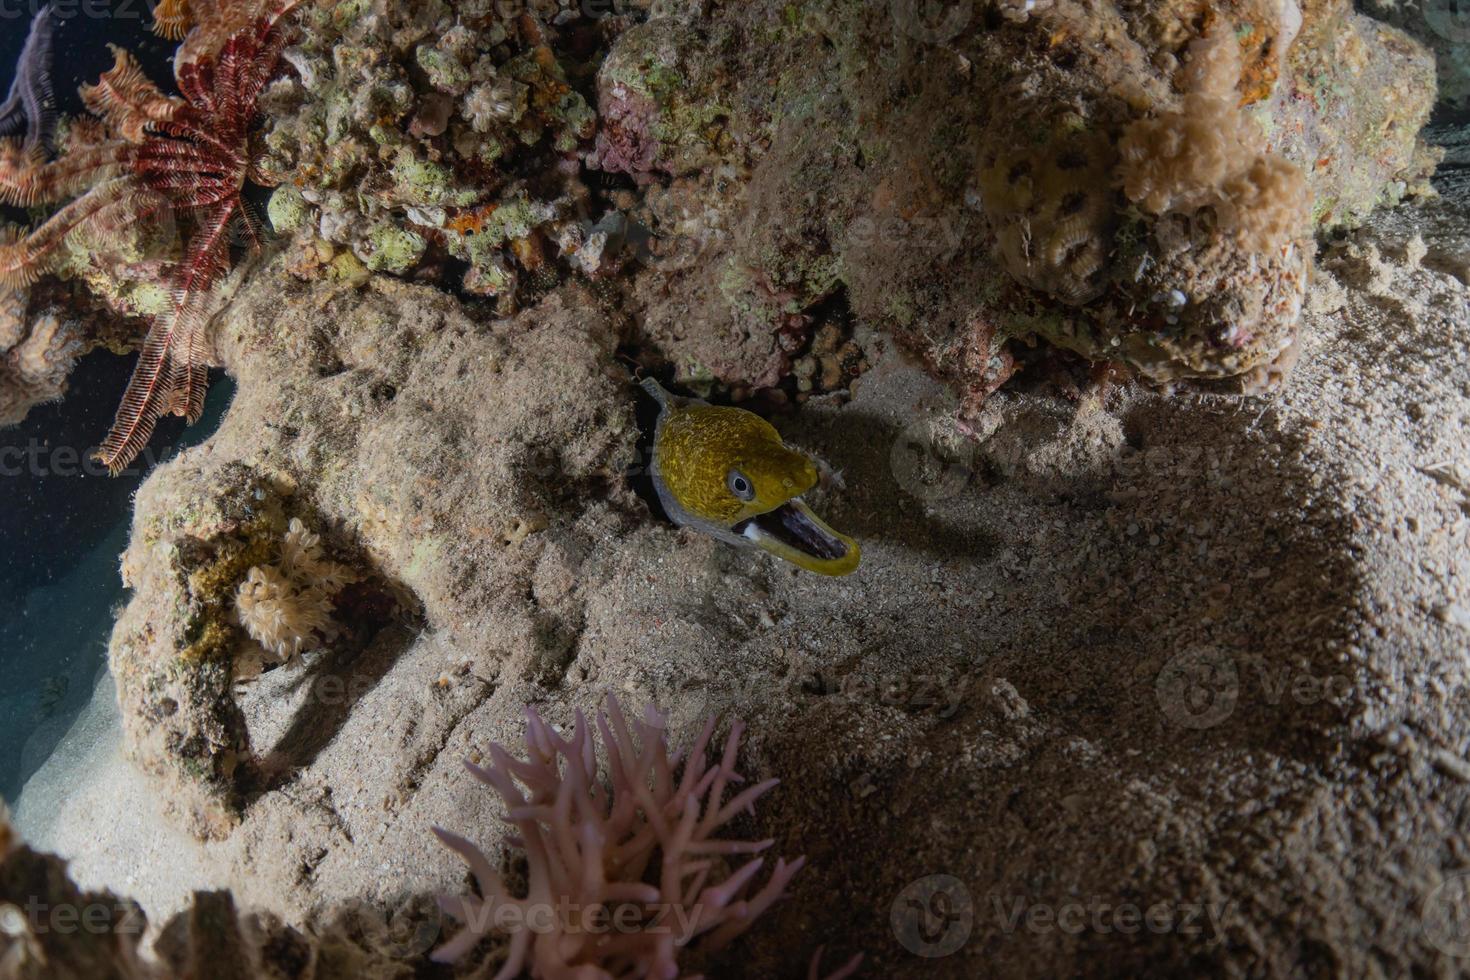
(250, 24)
(171, 19)
(31, 104)
(26, 181)
(104, 208)
(172, 372)
(127, 100)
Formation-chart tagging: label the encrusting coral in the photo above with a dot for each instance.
(630, 871)
(286, 606)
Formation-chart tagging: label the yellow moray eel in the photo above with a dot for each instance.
(726, 472)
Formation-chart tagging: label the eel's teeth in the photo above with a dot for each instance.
(793, 533)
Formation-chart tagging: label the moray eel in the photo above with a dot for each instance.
(726, 472)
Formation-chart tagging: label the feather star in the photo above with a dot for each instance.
(31, 104)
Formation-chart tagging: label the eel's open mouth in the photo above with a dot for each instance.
(794, 533)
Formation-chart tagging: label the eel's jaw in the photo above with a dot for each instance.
(793, 533)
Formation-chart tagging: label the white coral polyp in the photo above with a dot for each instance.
(287, 607)
(283, 619)
(593, 907)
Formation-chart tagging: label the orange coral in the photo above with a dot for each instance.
(472, 221)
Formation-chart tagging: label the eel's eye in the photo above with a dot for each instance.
(740, 485)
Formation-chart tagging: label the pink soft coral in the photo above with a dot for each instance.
(623, 875)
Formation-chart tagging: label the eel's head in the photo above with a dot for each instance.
(730, 471)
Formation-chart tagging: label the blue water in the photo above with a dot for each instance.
(62, 531)
(64, 524)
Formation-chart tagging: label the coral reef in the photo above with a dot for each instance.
(152, 158)
(989, 696)
(1443, 27)
(286, 606)
(810, 187)
(251, 587)
(591, 849)
(417, 134)
(824, 177)
(36, 355)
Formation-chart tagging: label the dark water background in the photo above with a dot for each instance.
(63, 526)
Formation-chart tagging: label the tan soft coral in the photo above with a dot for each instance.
(1210, 154)
(286, 607)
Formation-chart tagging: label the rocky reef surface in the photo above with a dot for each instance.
(1115, 649)
(1114, 644)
